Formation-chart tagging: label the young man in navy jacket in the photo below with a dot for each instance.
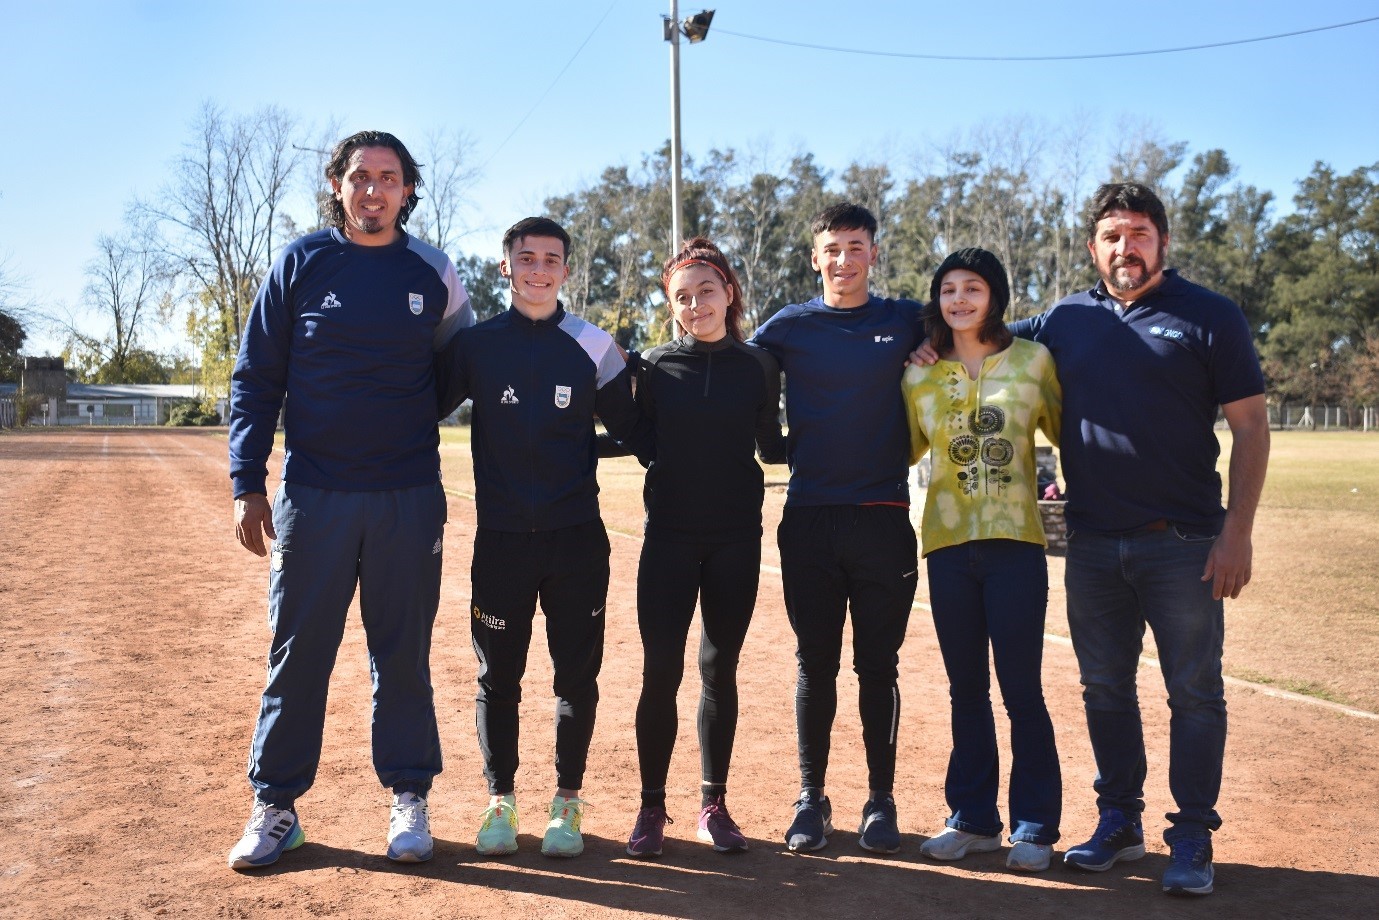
(845, 537)
(537, 377)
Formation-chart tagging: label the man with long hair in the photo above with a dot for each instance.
(347, 321)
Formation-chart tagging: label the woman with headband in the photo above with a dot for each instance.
(976, 411)
(708, 401)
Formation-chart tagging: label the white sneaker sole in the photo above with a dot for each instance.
(1129, 854)
(975, 845)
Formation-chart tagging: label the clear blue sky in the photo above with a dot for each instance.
(99, 96)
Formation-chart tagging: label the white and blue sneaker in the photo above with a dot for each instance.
(409, 829)
(270, 833)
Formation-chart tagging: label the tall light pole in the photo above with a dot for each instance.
(696, 29)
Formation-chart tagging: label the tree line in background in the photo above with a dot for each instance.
(196, 251)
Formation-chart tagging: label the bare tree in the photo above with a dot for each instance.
(221, 209)
(128, 285)
(1063, 203)
(1143, 155)
(450, 175)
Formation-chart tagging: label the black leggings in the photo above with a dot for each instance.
(724, 577)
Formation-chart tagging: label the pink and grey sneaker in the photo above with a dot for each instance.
(716, 826)
(649, 833)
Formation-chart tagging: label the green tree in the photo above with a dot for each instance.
(761, 222)
(12, 331)
(1220, 234)
(1324, 301)
(12, 336)
(487, 288)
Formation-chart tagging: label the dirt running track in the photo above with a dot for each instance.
(132, 644)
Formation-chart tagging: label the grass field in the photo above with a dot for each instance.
(1308, 622)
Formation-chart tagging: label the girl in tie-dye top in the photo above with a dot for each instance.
(976, 411)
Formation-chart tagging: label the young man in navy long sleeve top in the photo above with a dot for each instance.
(845, 536)
(537, 377)
(346, 323)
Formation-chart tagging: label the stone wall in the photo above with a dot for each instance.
(1055, 527)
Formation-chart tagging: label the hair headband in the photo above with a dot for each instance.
(679, 265)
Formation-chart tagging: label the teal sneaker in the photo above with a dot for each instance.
(562, 836)
(498, 832)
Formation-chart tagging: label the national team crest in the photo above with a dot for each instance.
(562, 397)
(414, 304)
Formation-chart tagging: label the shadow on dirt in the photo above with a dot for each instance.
(691, 881)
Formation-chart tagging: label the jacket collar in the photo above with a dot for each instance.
(553, 320)
(688, 342)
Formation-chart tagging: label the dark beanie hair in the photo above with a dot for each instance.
(978, 260)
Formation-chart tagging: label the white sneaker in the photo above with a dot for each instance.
(951, 844)
(409, 829)
(270, 833)
(1026, 856)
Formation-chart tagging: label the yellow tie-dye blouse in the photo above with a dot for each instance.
(983, 484)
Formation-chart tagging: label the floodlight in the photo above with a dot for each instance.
(696, 27)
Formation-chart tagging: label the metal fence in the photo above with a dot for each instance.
(9, 414)
(1325, 418)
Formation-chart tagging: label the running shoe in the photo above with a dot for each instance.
(409, 829)
(813, 822)
(716, 826)
(1117, 837)
(1028, 856)
(270, 833)
(562, 836)
(649, 833)
(498, 832)
(951, 844)
(880, 828)
(1189, 866)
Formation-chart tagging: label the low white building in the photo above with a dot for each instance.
(111, 403)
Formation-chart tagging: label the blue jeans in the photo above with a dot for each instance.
(996, 591)
(1116, 585)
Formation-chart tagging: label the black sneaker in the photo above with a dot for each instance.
(1118, 837)
(880, 830)
(813, 822)
(1189, 866)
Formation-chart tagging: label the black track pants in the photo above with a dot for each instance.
(835, 558)
(567, 571)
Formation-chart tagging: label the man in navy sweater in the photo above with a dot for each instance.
(845, 537)
(537, 377)
(347, 322)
